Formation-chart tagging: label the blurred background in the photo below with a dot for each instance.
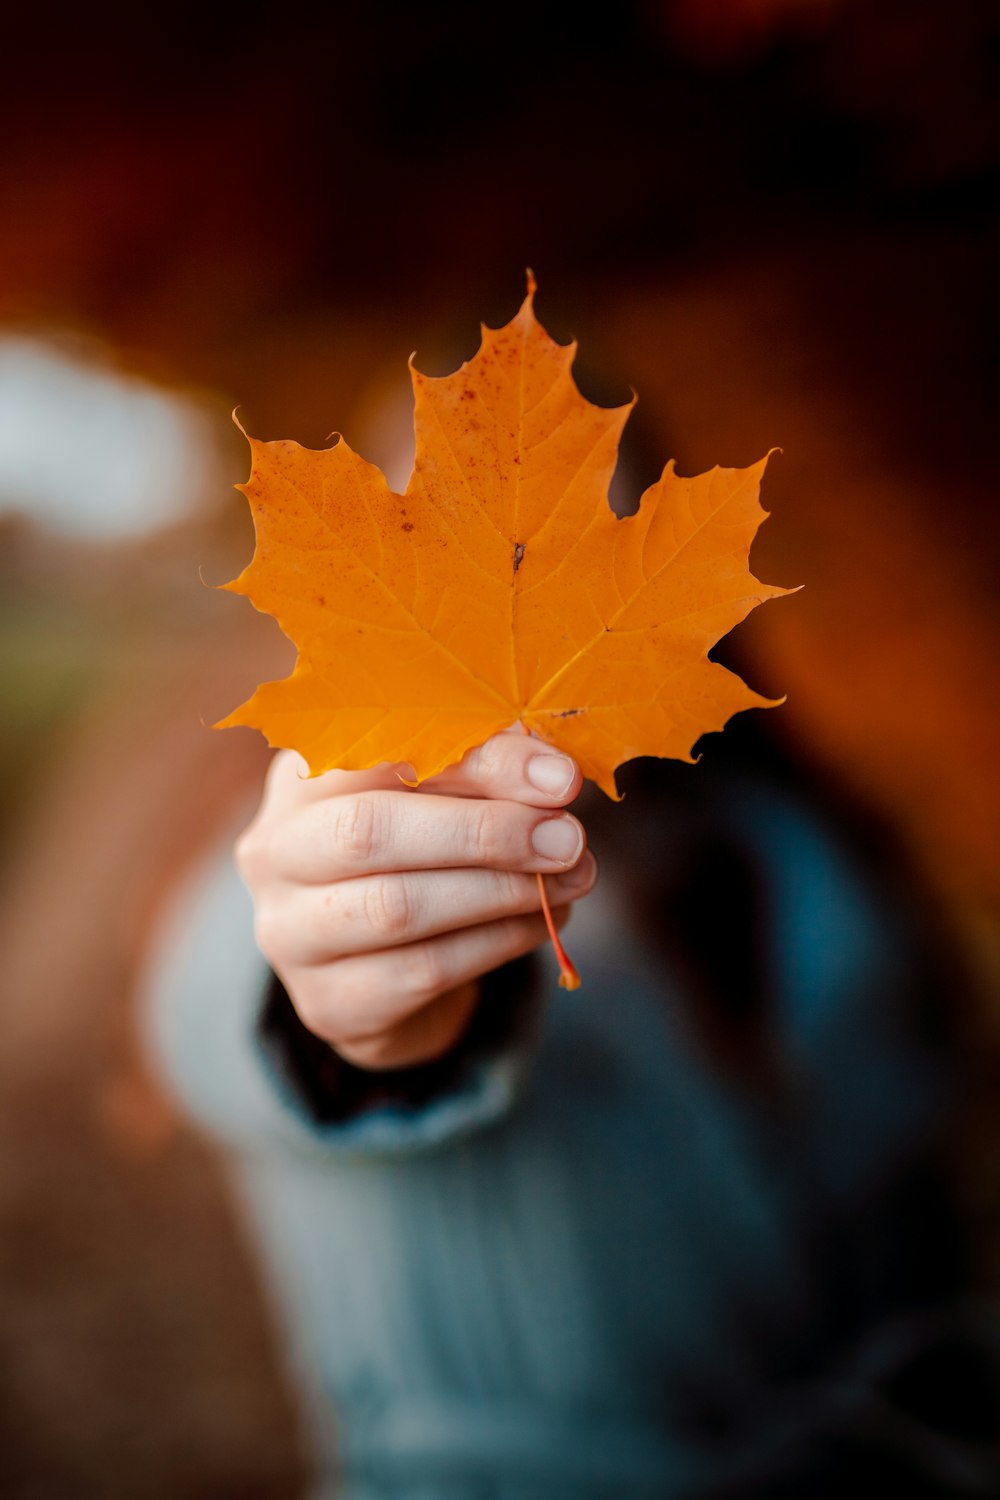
(775, 219)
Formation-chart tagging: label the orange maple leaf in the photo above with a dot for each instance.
(501, 587)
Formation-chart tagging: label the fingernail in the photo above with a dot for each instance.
(552, 774)
(558, 838)
(580, 876)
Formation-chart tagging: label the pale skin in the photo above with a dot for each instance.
(381, 907)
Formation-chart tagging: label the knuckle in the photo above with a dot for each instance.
(422, 974)
(358, 827)
(388, 908)
(327, 998)
(514, 893)
(489, 761)
(269, 931)
(284, 776)
(314, 1012)
(247, 850)
(486, 832)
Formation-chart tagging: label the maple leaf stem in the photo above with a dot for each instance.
(569, 978)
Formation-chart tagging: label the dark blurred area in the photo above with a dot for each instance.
(775, 219)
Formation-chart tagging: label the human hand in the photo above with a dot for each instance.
(381, 906)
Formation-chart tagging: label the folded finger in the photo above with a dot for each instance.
(323, 923)
(378, 831)
(359, 998)
(288, 778)
(514, 766)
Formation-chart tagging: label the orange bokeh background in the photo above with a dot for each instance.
(775, 219)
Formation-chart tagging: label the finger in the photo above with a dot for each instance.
(513, 766)
(426, 1034)
(509, 765)
(317, 924)
(288, 779)
(376, 832)
(359, 998)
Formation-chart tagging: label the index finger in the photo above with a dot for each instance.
(513, 766)
(288, 778)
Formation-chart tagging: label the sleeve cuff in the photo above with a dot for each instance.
(252, 1080)
(400, 1111)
